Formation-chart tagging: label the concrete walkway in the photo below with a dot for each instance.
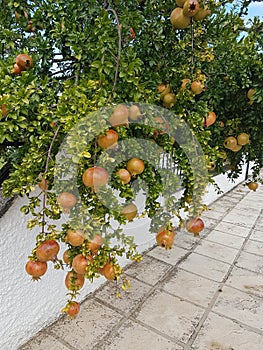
(204, 294)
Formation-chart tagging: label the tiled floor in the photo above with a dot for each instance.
(204, 294)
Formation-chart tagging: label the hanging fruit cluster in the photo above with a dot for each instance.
(187, 9)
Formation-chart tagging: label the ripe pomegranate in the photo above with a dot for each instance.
(124, 176)
(74, 281)
(197, 87)
(178, 19)
(250, 94)
(43, 184)
(180, 3)
(66, 257)
(201, 14)
(4, 110)
(230, 142)
(24, 61)
(108, 271)
(80, 263)
(108, 140)
(66, 200)
(169, 100)
(36, 269)
(252, 186)
(119, 116)
(190, 8)
(95, 243)
(72, 309)
(134, 112)
(243, 139)
(163, 89)
(95, 177)
(210, 119)
(16, 69)
(195, 225)
(48, 250)
(129, 211)
(75, 237)
(236, 148)
(165, 238)
(135, 166)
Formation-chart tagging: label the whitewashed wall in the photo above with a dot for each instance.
(27, 306)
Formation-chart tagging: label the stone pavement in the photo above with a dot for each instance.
(204, 294)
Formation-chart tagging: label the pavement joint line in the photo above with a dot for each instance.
(246, 326)
(219, 290)
(154, 288)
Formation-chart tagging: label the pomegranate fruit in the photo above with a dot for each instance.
(47, 250)
(75, 237)
(36, 269)
(190, 8)
(95, 177)
(16, 69)
(74, 281)
(197, 87)
(129, 211)
(24, 61)
(135, 166)
(201, 14)
(236, 148)
(66, 200)
(124, 176)
(210, 119)
(165, 238)
(243, 139)
(95, 243)
(119, 116)
(252, 186)
(134, 112)
(66, 257)
(43, 184)
(72, 309)
(80, 263)
(108, 140)
(169, 100)
(230, 142)
(195, 225)
(108, 271)
(178, 19)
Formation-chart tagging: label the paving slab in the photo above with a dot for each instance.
(226, 239)
(93, 321)
(220, 333)
(129, 299)
(257, 235)
(170, 315)
(250, 262)
(243, 307)
(254, 247)
(131, 336)
(205, 267)
(171, 256)
(247, 281)
(216, 251)
(234, 229)
(189, 286)
(45, 341)
(149, 270)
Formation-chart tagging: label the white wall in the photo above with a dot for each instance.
(28, 306)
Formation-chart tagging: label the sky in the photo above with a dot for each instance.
(256, 9)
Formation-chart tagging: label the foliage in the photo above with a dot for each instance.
(92, 54)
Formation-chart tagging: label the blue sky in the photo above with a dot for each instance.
(256, 9)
